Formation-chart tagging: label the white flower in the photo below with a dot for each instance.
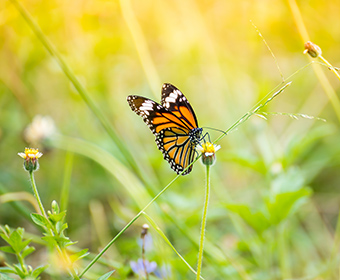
(42, 127)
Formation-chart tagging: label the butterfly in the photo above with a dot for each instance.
(174, 124)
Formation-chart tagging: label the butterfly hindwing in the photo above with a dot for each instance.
(172, 122)
(177, 147)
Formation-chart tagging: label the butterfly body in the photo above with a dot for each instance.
(174, 125)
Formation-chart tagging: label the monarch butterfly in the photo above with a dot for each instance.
(174, 124)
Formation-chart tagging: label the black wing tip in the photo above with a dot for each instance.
(130, 98)
(168, 85)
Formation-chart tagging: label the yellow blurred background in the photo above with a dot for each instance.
(213, 53)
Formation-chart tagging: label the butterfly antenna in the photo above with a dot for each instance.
(215, 129)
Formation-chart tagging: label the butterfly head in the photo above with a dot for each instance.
(196, 135)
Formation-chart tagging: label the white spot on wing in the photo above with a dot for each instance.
(173, 95)
(170, 99)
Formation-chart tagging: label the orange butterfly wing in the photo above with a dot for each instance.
(174, 124)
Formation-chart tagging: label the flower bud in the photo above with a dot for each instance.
(31, 157)
(145, 229)
(312, 49)
(208, 151)
(55, 207)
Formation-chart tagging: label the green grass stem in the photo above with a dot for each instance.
(204, 222)
(36, 194)
(127, 226)
(253, 111)
(161, 233)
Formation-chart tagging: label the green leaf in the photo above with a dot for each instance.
(7, 249)
(61, 227)
(284, 204)
(6, 270)
(50, 240)
(24, 244)
(4, 276)
(39, 270)
(255, 219)
(6, 238)
(20, 231)
(81, 254)
(106, 275)
(40, 220)
(27, 251)
(16, 241)
(54, 218)
(19, 271)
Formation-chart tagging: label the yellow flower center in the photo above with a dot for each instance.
(30, 153)
(208, 147)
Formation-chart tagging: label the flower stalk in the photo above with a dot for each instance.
(208, 151)
(48, 222)
(204, 222)
(36, 194)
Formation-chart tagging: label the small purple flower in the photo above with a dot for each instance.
(163, 272)
(140, 267)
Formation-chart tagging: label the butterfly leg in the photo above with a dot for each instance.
(205, 135)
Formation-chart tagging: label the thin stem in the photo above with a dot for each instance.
(257, 107)
(36, 194)
(41, 207)
(204, 222)
(157, 228)
(128, 225)
(330, 66)
(143, 257)
(22, 264)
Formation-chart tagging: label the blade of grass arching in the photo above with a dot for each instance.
(20, 208)
(214, 254)
(78, 86)
(160, 232)
(123, 174)
(65, 188)
(333, 98)
(141, 46)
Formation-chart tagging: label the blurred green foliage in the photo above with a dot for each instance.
(275, 187)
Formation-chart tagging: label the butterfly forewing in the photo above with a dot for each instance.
(154, 115)
(171, 122)
(174, 100)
